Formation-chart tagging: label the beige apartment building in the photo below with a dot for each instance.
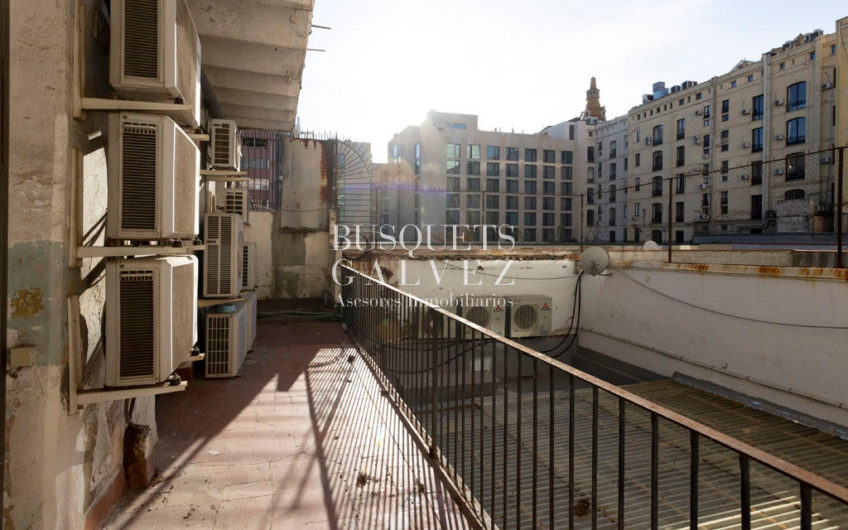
(468, 176)
(607, 198)
(747, 151)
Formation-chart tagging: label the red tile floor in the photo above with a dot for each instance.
(302, 438)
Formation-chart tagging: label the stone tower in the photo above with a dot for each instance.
(593, 103)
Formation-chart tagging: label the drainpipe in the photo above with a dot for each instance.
(4, 225)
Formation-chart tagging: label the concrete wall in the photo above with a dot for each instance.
(60, 469)
(774, 333)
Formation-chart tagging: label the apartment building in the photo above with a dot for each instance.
(746, 151)
(608, 196)
(464, 175)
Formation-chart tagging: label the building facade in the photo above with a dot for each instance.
(608, 196)
(467, 176)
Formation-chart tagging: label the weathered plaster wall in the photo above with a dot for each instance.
(261, 230)
(59, 468)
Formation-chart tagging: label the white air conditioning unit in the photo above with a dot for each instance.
(825, 86)
(224, 145)
(704, 186)
(746, 145)
(153, 179)
(778, 102)
(745, 112)
(530, 316)
(151, 318)
(704, 216)
(744, 177)
(250, 300)
(778, 171)
(226, 342)
(248, 267)
(154, 54)
(222, 259)
(237, 201)
(488, 312)
(779, 137)
(698, 112)
(648, 140)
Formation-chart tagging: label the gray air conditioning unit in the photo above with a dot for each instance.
(154, 54)
(250, 300)
(222, 259)
(153, 179)
(530, 316)
(151, 318)
(224, 145)
(237, 201)
(226, 342)
(248, 267)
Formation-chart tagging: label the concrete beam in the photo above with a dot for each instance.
(260, 113)
(291, 4)
(229, 96)
(254, 22)
(227, 78)
(270, 125)
(223, 53)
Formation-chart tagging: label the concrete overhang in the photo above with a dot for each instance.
(253, 53)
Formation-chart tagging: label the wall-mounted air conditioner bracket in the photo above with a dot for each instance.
(209, 302)
(223, 175)
(78, 398)
(142, 250)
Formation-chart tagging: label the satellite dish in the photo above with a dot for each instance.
(650, 245)
(594, 260)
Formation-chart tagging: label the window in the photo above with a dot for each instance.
(566, 172)
(756, 173)
(612, 220)
(453, 167)
(511, 202)
(567, 157)
(636, 184)
(529, 155)
(472, 184)
(833, 49)
(529, 235)
(549, 156)
(796, 131)
(590, 174)
(706, 141)
(511, 218)
(452, 184)
(657, 160)
(637, 210)
(612, 193)
(656, 212)
(548, 219)
(493, 202)
(493, 185)
(681, 128)
(472, 201)
(549, 187)
(756, 206)
(681, 157)
(453, 150)
(567, 188)
(452, 200)
(733, 84)
(750, 77)
(794, 195)
(512, 170)
(612, 171)
(590, 196)
(473, 167)
(472, 217)
(493, 218)
(783, 66)
(757, 140)
(796, 96)
(493, 152)
(530, 186)
(394, 148)
(417, 151)
(658, 135)
(565, 203)
(493, 169)
(511, 186)
(680, 186)
(698, 95)
(725, 165)
(678, 211)
(613, 149)
(512, 153)
(707, 110)
(571, 132)
(757, 107)
(530, 219)
(656, 187)
(549, 172)
(725, 106)
(590, 154)
(565, 219)
(590, 217)
(723, 201)
(636, 159)
(795, 166)
(529, 171)
(548, 203)
(452, 217)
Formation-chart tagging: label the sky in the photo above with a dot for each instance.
(522, 65)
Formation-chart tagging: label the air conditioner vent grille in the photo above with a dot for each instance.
(245, 266)
(138, 177)
(478, 315)
(226, 250)
(141, 38)
(218, 345)
(221, 147)
(137, 337)
(525, 317)
(235, 202)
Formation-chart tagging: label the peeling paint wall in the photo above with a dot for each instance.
(59, 467)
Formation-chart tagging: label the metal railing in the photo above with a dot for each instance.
(534, 443)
